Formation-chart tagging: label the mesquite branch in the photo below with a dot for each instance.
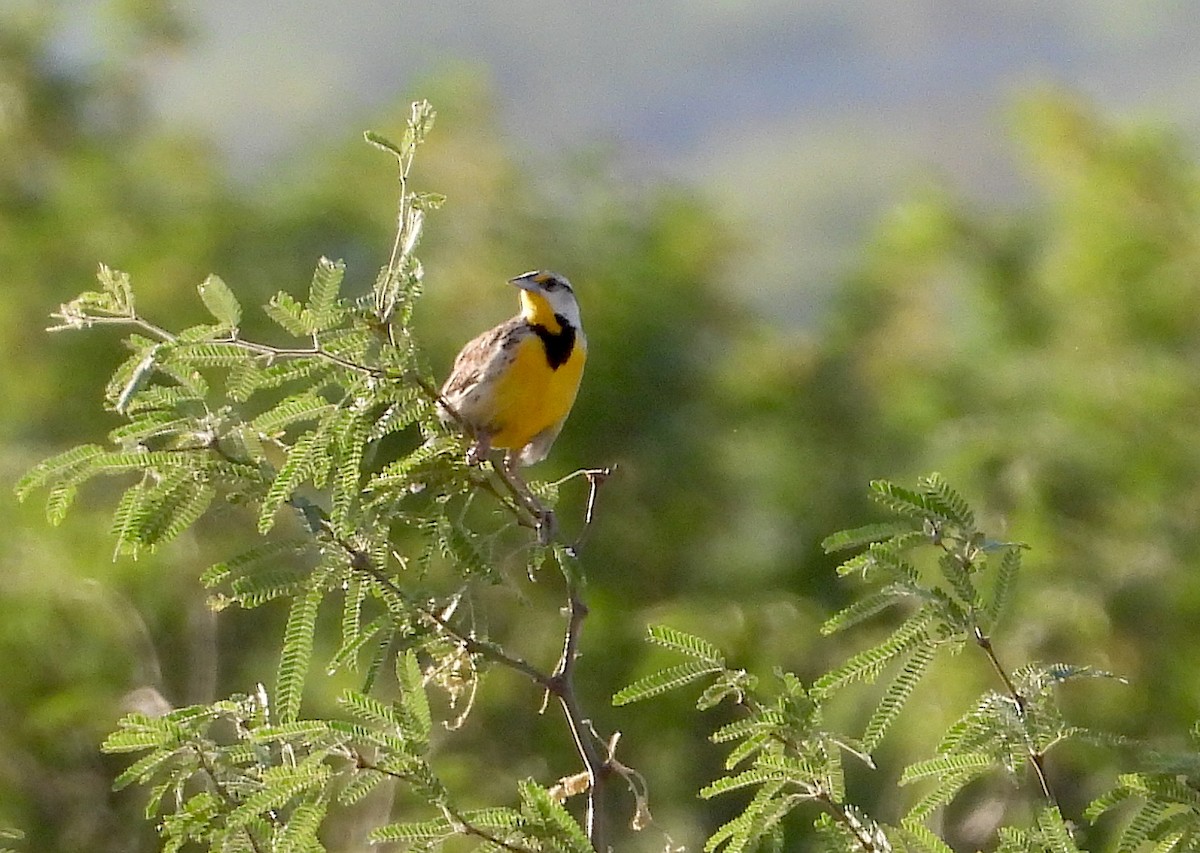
(560, 683)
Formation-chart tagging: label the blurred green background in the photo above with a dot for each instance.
(813, 248)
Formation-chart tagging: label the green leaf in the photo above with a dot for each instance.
(663, 681)
(382, 142)
(753, 776)
(544, 811)
(300, 833)
(897, 694)
(297, 650)
(1005, 585)
(61, 496)
(886, 560)
(176, 511)
(137, 732)
(688, 644)
(919, 836)
(901, 500)
(282, 784)
(351, 443)
(118, 287)
(220, 572)
(948, 503)
(306, 730)
(400, 414)
(359, 786)
(326, 285)
(752, 745)
(461, 546)
(757, 820)
(1055, 835)
(427, 201)
(68, 464)
(844, 540)
(944, 765)
(430, 458)
(220, 301)
(289, 314)
(424, 830)
(869, 663)
(143, 769)
(308, 405)
(305, 457)
(763, 721)
(202, 354)
(862, 609)
(371, 710)
(957, 574)
(250, 376)
(418, 719)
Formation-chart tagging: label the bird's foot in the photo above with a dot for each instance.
(547, 526)
(479, 450)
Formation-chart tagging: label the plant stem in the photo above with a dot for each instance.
(562, 686)
(1036, 759)
(460, 823)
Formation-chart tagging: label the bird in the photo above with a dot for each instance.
(514, 385)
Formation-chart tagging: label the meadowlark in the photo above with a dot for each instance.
(514, 385)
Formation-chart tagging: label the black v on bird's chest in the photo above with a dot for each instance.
(558, 345)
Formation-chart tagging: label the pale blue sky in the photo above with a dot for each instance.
(802, 119)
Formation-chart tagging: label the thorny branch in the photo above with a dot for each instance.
(562, 686)
(560, 683)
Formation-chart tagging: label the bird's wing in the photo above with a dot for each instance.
(484, 358)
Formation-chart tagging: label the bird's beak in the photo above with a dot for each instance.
(527, 281)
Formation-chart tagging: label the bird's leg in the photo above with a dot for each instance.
(547, 524)
(480, 449)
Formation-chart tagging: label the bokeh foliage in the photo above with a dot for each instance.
(1044, 358)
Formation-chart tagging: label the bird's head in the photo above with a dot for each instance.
(545, 298)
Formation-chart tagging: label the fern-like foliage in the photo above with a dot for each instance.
(779, 749)
(360, 495)
(228, 779)
(1160, 802)
(946, 586)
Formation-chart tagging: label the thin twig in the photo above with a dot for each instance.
(560, 684)
(563, 689)
(121, 320)
(596, 478)
(272, 353)
(460, 824)
(1036, 758)
(360, 561)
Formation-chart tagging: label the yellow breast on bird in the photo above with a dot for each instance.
(515, 384)
(533, 394)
